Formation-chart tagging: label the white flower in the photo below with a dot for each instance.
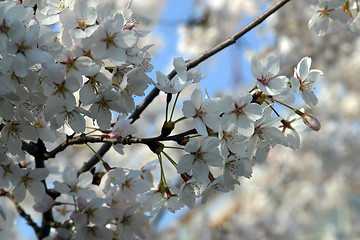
(75, 185)
(265, 134)
(134, 82)
(93, 233)
(189, 192)
(14, 132)
(231, 141)
(265, 73)
(110, 41)
(238, 166)
(9, 172)
(129, 183)
(217, 185)
(80, 22)
(304, 81)
(200, 157)
(24, 51)
(51, 9)
(92, 87)
(100, 110)
(31, 180)
(205, 113)
(178, 82)
(319, 22)
(131, 223)
(92, 212)
(241, 114)
(290, 125)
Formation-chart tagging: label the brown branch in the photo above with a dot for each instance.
(191, 64)
(23, 214)
(128, 140)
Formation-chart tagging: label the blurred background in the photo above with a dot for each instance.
(312, 193)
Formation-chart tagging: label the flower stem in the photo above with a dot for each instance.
(173, 109)
(105, 164)
(170, 159)
(180, 119)
(273, 109)
(180, 148)
(284, 104)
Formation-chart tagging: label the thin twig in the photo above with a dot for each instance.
(191, 64)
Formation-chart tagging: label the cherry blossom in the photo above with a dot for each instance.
(200, 156)
(304, 81)
(30, 179)
(110, 41)
(75, 185)
(241, 114)
(178, 82)
(319, 22)
(265, 73)
(205, 113)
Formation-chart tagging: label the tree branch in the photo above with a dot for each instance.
(23, 214)
(191, 64)
(128, 140)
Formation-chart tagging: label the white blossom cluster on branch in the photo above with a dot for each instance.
(53, 83)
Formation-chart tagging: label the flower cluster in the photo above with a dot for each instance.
(244, 128)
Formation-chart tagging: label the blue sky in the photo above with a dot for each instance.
(222, 68)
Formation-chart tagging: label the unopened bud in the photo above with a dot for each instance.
(129, 26)
(311, 121)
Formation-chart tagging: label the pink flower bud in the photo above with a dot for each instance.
(311, 121)
(129, 26)
(112, 135)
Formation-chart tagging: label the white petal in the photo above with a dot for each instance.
(196, 98)
(19, 192)
(188, 109)
(192, 146)
(339, 16)
(200, 127)
(39, 173)
(256, 68)
(309, 98)
(185, 163)
(179, 65)
(104, 118)
(201, 172)
(36, 188)
(271, 65)
(77, 122)
(20, 65)
(295, 84)
(85, 179)
(319, 24)
(303, 67)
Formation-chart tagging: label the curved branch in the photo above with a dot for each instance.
(191, 64)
